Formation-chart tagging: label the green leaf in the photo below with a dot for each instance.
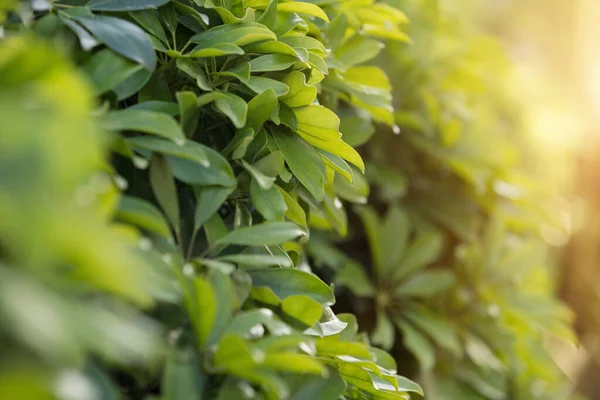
(107, 70)
(149, 20)
(310, 388)
(240, 71)
(182, 378)
(272, 62)
(163, 187)
(218, 173)
(189, 150)
(165, 107)
(209, 200)
(332, 348)
(300, 94)
(225, 296)
(423, 251)
(189, 113)
(358, 50)
(338, 165)
(132, 84)
(384, 333)
(304, 162)
(260, 109)
(124, 5)
(269, 16)
(394, 237)
(287, 282)
(294, 212)
(418, 345)
(265, 182)
(151, 122)
(259, 84)
(196, 72)
(269, 202)
(303, 8)
(239, 34)
(275, 47)
(143, 214)
(438, 328)
(319, 126)
(425, 284)
(205, 311)
(215, 50)
(353, 276)
(123, 37)
(294, 363)
(302, 308)
(243, 323)
(86, 41)
(234, 107)
(257, 260)
(264, 234)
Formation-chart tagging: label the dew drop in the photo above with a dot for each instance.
(188, 270)
(140, 163)
(396, 129)
(121, 182)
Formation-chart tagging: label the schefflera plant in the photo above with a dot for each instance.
(228, 146)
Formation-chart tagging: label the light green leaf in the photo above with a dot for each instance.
(293, 363)
(239, 34)
(300, 94)
(304, 162)
(259, 84)
(425, 284)
(272, 62)
(260, 109)
(285, 282)
(257, 260)
(438, 328)
(418, 345)
(294, 211)
(151, 122)
(264, 234)
(205, 309)
(422, 251)
(215, 50)
(302, 308)
(303, 8)
(225, 296)
(143, 214)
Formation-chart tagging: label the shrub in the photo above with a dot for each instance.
(170, 170)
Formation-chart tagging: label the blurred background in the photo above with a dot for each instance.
(554, 45)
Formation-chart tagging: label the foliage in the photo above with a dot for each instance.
(465, 285)
(172, 169)
(220, 120)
